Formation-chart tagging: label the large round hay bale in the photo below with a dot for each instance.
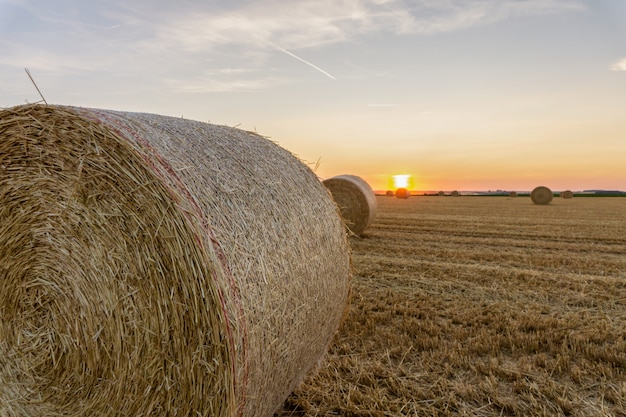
(454, 193)
(389, 193)
(441, 193)
(513, 194)
(567, 194)
(356, 201)
(403, 193)
(541, 195)
(152, 265)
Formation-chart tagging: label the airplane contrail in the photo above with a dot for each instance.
(305, 61)
(273, 45)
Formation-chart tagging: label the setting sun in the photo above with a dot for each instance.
(401, 181)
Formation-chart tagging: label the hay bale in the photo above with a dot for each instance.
(454, 193)
(389, 193)
(403, 193)
(441, 193)
(152, 265)
(541, 195)
(567, 194)
(356, 201)
(513, 194)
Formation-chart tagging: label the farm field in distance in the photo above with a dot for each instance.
(480, 306)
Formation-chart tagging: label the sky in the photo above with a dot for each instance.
(457, 94)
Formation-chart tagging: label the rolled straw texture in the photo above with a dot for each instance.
(403, 193)
(356, 201)
(151, 265)
(541, 195)
(567, 194)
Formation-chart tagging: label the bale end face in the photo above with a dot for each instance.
(541, 195)
(355, 199)
(140, 276)
(402, 193)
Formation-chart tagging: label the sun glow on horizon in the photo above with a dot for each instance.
(401, 181)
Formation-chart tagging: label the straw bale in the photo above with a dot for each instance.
(441, 193)
(567, 194)
(390, 193)
(355, 199)
(541, 195)
(513, 194)
(151, 265)
(454, 193)
(403, 193)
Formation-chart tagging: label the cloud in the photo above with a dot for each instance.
(315, 23)
(252, 31)
(192, 26)
(222, 81)
(619, 66)
(171, 40)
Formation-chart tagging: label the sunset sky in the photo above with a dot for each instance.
(459, 94)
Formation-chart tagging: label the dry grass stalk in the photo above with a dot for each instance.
(541, 195)
(152, 265)
(355, 199)
(567, 194)
(403, 193)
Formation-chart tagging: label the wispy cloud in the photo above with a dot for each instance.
(255, 29)
(177, 39)
(201, 27)
(222, 82)
(619, 66)
(195, 26)
(314, 23)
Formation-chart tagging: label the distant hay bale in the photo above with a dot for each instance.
(567, 194)
(152, 265)
(389, 193)
(356, 201)
(513, 194)
(403, 193)
(454, 193)
(541, 195)
(441, 193)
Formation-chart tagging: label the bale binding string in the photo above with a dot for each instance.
(152, 265)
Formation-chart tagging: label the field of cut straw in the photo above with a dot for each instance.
(480, 306)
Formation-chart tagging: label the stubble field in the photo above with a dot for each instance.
(480, 306)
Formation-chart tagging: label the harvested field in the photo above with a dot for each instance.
(481, 306)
